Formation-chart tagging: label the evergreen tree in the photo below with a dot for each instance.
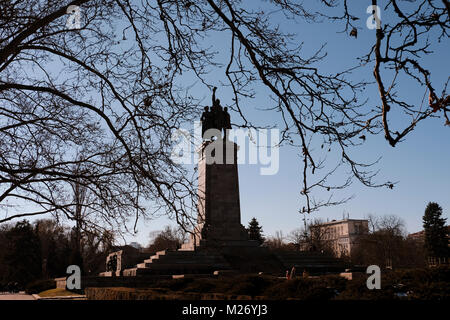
(436, 242)
(255, 231)
(23, 254)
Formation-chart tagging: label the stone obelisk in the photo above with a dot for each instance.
(219, 214)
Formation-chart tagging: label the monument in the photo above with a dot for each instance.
(219, 213)
(219, 241)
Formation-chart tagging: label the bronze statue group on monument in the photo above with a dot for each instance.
(215, 117)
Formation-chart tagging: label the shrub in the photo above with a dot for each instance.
(252, 285)
(173, 284)
(411, 284)
(357, 290)
(201, 286)
(40, 285)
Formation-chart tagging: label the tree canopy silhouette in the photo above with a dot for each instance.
(94, 105)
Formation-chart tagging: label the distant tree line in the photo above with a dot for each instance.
(45, 248)
(386, 243)
(171, 238)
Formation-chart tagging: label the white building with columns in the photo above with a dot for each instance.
(342, 235)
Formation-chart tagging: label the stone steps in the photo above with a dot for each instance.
(309, 261)
(177, 262)
(185, 256)
(171, 266)
(172, 269)
(169, 254)
(206, 261)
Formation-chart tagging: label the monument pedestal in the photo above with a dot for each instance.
(219, 214)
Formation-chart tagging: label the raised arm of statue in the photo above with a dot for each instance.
(214, 96)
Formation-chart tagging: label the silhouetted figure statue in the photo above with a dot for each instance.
(214, 97)
(216, 111)
(226, 122)
(206, 120)
(216, 117)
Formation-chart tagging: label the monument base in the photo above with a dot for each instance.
(241, 256)
(218, 244)
(224, 236)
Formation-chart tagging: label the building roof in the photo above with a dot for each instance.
(422, 233)
(344, 220)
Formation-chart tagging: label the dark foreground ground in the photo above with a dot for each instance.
(411, 284)
(15, 296)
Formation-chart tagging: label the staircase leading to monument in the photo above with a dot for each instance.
(260, 259)
(180, 262)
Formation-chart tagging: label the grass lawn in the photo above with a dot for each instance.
(58, 292)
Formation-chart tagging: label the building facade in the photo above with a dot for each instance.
(340, 236)
(420, 236)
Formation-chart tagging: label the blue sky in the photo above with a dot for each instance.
(419, 164)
